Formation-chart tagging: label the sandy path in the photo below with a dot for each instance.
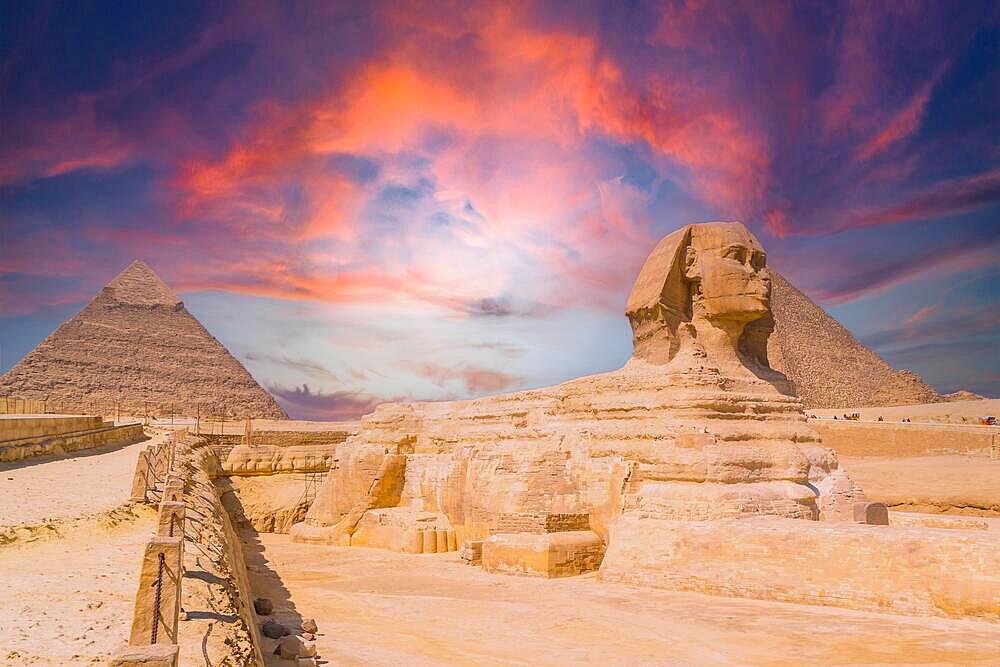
(68, 601)
(49, 488)
(961, 484)
(376, 607)
(950, 412)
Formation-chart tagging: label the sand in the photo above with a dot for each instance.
(954, 412)
(958, 484)
(377, 607)
(70, 570)
(67, 597)
(49, 488)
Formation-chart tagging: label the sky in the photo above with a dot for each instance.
(396, 201)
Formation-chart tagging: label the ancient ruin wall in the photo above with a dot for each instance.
(915, 571)
(884, 439)
(216, 578)
(22, 438)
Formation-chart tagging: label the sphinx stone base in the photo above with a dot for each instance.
(308, 533)
(549, 555)
(406, 530)
(902, 570)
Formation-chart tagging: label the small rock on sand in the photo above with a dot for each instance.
(292, 647)
(273, 629)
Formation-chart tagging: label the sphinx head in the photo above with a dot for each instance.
(712, 272)
(726, 267)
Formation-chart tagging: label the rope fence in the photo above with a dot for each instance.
(153, 637)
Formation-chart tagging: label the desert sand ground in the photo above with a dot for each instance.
(69, 556)
(955, 412)
(377, 607)
(955, 484)
(65, 487)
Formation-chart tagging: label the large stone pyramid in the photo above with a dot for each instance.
(135, 345)
(829, 367)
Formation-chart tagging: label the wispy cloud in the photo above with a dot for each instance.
(305, 403)
(474, 380)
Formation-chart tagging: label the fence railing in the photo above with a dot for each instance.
(153, 636)
(13, 405)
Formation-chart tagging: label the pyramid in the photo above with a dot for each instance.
(828, 365)
(135, 345)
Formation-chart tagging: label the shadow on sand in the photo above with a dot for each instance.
(264, 581)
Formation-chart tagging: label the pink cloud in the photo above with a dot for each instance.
(922, 314)
(904, 123)
(951, 197)
(476, 380)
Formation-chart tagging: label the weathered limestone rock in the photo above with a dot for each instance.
(471, 552)
(273, 629)
(292, 647)
(309, 626)
(696, 426)
(170, 522)
(158, 600)
(263, 606)
(916, 571)
(269, 459)
(543, 555)
(405, 529)
(873, 514)
(154, 655)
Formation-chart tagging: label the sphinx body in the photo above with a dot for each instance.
(695, 427)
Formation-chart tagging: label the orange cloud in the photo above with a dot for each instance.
(517, 113)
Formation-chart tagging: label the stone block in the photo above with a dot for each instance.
(541, 522)
(160, 577)
(170, 522)
(142, 481)
(404, 529)
(154, 655)
(915, 571)
(471, 552)
(174, 488)
(562, 554)
(873, 514)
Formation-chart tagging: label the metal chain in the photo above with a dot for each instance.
(156, 598)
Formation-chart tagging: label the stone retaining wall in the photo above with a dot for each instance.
(62, 443)
(204, 568)
(915, 571)
(849, 438)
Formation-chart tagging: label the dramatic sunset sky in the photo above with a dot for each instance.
(390, 201)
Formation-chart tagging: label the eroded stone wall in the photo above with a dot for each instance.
(917, 571)
(849, 438)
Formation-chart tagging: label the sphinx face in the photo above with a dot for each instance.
(729, 264)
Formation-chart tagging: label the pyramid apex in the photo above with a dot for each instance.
(137, 284)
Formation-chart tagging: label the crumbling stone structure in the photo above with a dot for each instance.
(696, 426)
(680, 470)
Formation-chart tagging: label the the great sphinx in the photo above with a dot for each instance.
(695, 427)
